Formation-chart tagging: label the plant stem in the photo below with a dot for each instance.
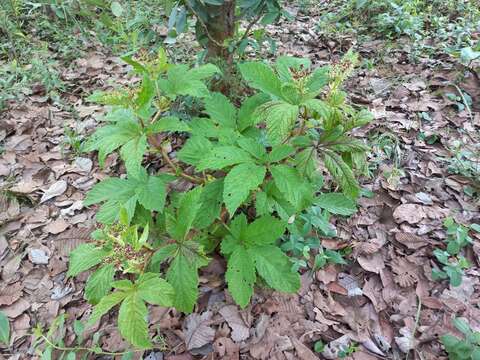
(178, 171)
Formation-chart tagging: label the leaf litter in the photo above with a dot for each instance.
(373, 301)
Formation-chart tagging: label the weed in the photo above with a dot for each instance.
(253, 171)
(452, 262)
(466, 348)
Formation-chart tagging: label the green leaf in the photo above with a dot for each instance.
(280, 152)
(261, 77)
(132, 154)
(283, 64)
(104, 306)
(246, 115)
(183, 275)
(84, 257)
(155, 290)
(187, 211)
(317, 80)
(318, 106)
(116, 8)
(4, 329)
(110, 137)
(462, 326)
(280, 118)
(168, 123)
(240, 276)
(336, 203)
(99, 283)
(161, 255)
(203, 72)
(292, 186)
(151, 193)
(264, 230)
(221, 110)
(211, 204)
(194, 150)
(275, 268)
(253, 147)
(239, 182)
(342, 173)
(223, 156)
(132, 321)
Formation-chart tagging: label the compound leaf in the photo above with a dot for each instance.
(240, 276)
(99, 283)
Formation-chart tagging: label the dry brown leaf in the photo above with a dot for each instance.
(11, 293)
(372, 262)
(57, 226)
(198, 332)
(410, 240)
(404, 271)
(410, 213)
(240, 330)
(56, 189)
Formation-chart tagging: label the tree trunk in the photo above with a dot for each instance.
(220, 27)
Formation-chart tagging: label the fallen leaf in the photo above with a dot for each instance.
(54, 190)
(410, 213)
(240, 331)
(198, 332)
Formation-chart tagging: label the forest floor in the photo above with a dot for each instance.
(384, 300)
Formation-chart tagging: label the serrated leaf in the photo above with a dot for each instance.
(275, 268)
(317, 80)
(4, 329)
(132, 321)
(253, 147)
(194, 150)
(151, 193)
(211, 204)
(104, 306)
(283, 64)
(221, 110)
(240, 276)
(223, 156)
(261, 77)
(183, 275)
(203, 72)
(264, 230)
(161, 255)
(187, 211)
(336, 203)
(168, 123)
(239, 182)
(280, 152)
(155, 290)
(318, 106)
(280, 118)
(99, 283)
(342, 173)
(132, 154)
(84, 257)
(293, 187)
(246, 115)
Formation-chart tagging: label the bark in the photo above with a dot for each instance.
(220, 27)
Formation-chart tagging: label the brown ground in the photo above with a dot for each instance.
(385, 300)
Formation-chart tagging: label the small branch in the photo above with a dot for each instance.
(249, 27)
(210, 37)
(178, 171)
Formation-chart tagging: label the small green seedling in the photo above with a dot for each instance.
(466, 348)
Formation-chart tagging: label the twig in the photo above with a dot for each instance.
(179, 171)
(210, 37)
(417, 320)
(249, 27)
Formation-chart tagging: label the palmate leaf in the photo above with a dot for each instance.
(238, 183)
(116, 193)
(250, 252)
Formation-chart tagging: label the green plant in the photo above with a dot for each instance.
(50, 345)
(250, 170)
(453, 263)
(4, 329)
(466, 348)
